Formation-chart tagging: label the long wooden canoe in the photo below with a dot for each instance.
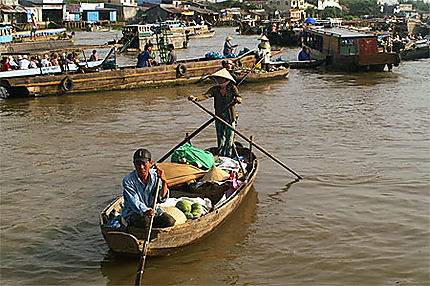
(129, 240)
(186, 71)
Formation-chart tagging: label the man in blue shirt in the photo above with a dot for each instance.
(304, 54)
(139, 193)
(144, 59)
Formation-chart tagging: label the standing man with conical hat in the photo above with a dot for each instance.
(264, 52)
(228, 47)
(224, 93)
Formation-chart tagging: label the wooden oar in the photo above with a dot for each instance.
(253, 68)
(278, 52)
(141, 268)
(246, 138)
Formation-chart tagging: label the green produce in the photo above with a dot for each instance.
(189, 215)
(184, 206)
(196, 209)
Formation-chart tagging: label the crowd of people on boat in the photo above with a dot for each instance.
(25, 62)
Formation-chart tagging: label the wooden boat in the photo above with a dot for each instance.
(185, 71)
(305, 64)
(257, 75)
(416, 50)
(197, 35)
(348, 49)
(48, 39)
(135, 37)
(164, 241)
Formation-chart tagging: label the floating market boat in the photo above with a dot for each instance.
(348, 49)
(305, 64)
(163, 241)
(48, 39)
(182, 72)
(416, 50)
(255, 75)
(191, 31)
(135, 37)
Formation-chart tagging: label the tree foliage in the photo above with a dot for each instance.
(361, 7)
(417, 4)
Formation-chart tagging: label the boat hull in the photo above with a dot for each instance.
(35, 46)
(165, 241)
(414, 54)
(259, 75)
(125, 78)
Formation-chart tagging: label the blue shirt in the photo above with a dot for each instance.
(138, 197)
(143, 59)
(303, 56)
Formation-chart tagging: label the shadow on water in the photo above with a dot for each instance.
(225, 244)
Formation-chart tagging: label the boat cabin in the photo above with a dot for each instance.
(6, 34)
(347, 48)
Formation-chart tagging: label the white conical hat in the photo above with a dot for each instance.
(224, 74)
(264, 38)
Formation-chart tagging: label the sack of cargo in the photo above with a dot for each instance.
(195, 156)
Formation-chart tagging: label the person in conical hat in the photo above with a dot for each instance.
(224, 92)
(264, 52)
(264, 38)
(228, 47)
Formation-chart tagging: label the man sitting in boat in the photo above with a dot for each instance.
(94, 56)
(139, 192)
(228, 48)
(145, 59)
(304, 54)
(224, 93)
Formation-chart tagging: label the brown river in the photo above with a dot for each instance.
(360, 216)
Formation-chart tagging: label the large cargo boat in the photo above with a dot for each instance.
(21, 42)
(348, 49)
(182, 72)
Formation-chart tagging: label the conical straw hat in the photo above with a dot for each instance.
(215, 175)
(228, 38)
(264, 38)
(224, 74)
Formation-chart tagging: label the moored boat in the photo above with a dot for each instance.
(416, 50)
(347, 49)
(182, 72)
(256, 75)
(48, 39)
(163, 241)
(294, 64)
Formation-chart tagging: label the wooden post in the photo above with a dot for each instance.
(250, 148)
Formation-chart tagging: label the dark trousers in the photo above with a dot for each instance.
(164, 220)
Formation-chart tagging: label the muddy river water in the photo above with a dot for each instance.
(359, 217)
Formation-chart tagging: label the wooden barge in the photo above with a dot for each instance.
(186, 71)
(48, 39)
(347, 49)
(135, 37)
(129, 241)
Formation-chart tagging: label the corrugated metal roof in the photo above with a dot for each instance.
(12, 9)
(341, 32)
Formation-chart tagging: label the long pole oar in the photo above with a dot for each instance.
(141, 268)
(246, 138)
(189, 137)
(253, 68)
